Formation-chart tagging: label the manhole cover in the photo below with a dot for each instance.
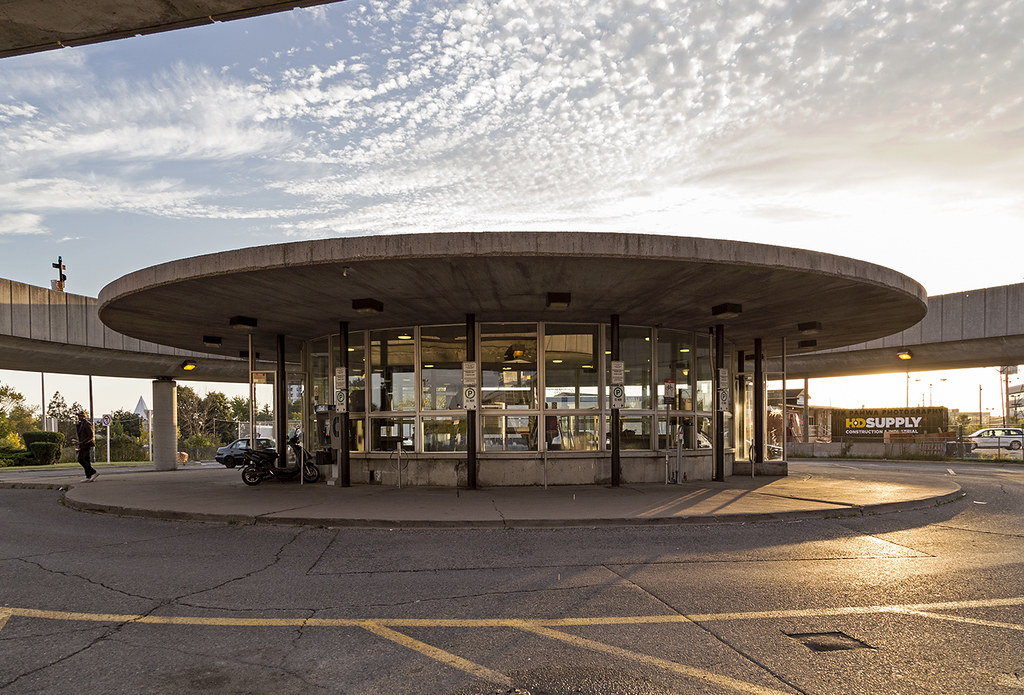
(828, 641)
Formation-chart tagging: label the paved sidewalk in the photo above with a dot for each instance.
(212, 493)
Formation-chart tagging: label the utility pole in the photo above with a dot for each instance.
(58, 284)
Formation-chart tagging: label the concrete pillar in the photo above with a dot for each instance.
(165, 424)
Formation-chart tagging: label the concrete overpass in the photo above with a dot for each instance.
(977, 328)
(44, 330)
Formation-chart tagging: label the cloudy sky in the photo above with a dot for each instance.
(889, 131)
(886, 131)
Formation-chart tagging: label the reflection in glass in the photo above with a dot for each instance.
(705, 375)
(391, 433)
(509, 433)
(635, 351)
(320, 370)
(442, 352)
(705, 433)
(508, 365)
(635, 432)
(356, 434)
(571, 432)
(675, 363)
(775, 424)
(356, 369)
(392, 357)
(570, 363)
(444, 434)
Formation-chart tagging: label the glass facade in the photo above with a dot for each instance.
(544, 387)
(442, 352)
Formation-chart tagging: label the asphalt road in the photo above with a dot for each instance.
(930, 601)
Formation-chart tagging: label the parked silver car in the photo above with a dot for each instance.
(231, 455)
(998, 438)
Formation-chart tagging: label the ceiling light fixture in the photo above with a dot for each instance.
(242, 323)
(905, 355)
(212, 340)
(559, 301)
(807, 344)
(809, 327)
(367, 305)
(727, 310)
(188, 365)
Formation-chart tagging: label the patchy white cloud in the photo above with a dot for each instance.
(21, 223)
(786, 121)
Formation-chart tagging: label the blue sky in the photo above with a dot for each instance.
(891, 132)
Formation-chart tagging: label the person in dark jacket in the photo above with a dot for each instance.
(86, 441)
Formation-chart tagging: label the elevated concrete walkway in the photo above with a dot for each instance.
(44, 330)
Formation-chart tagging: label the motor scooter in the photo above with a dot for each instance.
(260, 464)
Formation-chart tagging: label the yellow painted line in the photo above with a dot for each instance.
(441, 655)
(664, 664)
(508, 622)
(960, 619)
(4, 616)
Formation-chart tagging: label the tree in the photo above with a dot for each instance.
(125, 424)
(65, 415)
(207, 418)
(16, 416)
(239, 408)
(219, 408)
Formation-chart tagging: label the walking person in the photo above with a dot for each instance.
(86, 441)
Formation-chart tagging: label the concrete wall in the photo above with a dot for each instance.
(511, 470)
(871, 450)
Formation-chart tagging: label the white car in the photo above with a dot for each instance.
(998, 438)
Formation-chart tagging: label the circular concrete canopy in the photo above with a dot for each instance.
(302, 290)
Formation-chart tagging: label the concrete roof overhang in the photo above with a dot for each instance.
(959, 354)
(302, 290)
(30, 26)
(23, 354)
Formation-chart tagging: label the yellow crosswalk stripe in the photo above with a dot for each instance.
(664, 664)
(438, 654)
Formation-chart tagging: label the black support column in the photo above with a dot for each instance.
(759, 398)
(616, 428)
(344, 456)
(281, 405)
(720, 384)
(471, 413)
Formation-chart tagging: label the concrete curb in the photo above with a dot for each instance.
(705, 519)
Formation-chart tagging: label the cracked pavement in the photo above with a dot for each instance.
(97, 603)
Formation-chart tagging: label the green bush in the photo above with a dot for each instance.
(39, 436)
(45, 453)
(124, 448)
(9, 456)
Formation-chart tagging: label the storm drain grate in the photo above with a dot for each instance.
(828, 641)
